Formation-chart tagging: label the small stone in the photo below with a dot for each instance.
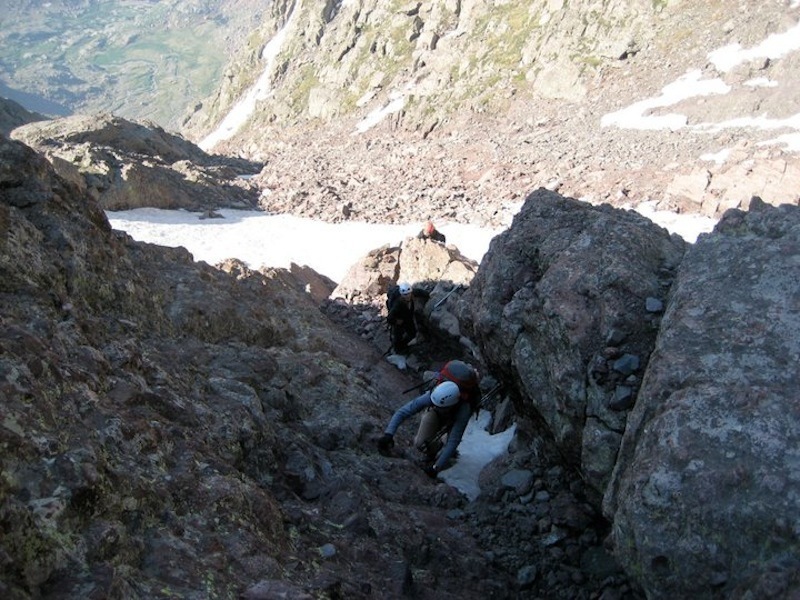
(622, 398)
(526, 577)
(653, 305)
(626, 364)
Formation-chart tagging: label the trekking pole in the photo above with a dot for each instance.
(419, 385)
(446, 296)
(435, 438)
(490, 394)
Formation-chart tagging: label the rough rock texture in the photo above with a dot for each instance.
(125, 165)
(560, 308)
(142, 394)
(420, 262)
(459, 109)
(169, 429)
(438, 274)
(566, 310)
(12, 115)
(174, 428)
(704, 499)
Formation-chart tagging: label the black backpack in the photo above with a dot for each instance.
(392, 294)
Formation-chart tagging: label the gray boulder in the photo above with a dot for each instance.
(705, 497)
(560, 296)
(123, 164)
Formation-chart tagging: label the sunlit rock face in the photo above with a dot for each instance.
(123, 164)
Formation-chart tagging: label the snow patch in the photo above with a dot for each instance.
(261, 239)
(761, 82)
(718, 157)
(689, 85)
(244, 108)
(477, 449)
(692, 85)
(376, 116)
(775, 46)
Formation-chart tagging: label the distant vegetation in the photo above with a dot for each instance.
(140, 60)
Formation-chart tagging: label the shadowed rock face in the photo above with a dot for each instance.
(559, 306)
(697, 466)
(659, 371)
(705, 493)
(167, 425)
(169, 428)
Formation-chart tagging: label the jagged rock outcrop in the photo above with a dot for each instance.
(664, 373)
(561, 307)
(124, 165)
(436, 272)
(13, 115)
(420, 262)
(170, 428)
(704, 498)
(438, 57)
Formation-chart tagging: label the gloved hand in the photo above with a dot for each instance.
(385, 443)
(430, 471)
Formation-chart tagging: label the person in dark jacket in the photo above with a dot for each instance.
(403, 327)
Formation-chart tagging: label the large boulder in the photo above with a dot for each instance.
(123, 164)
(705, 497)
(565, 306)
(369, 278)
(421, 262)
(438, 273)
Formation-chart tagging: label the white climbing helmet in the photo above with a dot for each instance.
(445, 394)
(405, 289)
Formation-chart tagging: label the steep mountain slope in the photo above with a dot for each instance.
(454, 110)
(175, 429)
(170, 428)
(383, 108)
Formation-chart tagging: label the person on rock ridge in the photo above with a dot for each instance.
(429, 232)
(447, 407)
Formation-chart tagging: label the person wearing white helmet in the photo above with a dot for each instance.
(447, 408)
(401, 320)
